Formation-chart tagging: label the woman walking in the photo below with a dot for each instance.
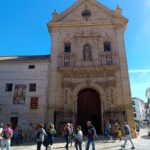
(78, 138)
(67, 132)
(40, 135)
(50, 138)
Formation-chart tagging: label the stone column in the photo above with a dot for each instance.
(53, 78)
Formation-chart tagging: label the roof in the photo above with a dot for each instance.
(31, 58)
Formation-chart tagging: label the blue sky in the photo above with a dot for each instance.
(23, 31)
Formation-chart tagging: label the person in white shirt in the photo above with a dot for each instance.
(78, 138)
(1, 129)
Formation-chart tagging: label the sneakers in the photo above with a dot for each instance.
(131, 147)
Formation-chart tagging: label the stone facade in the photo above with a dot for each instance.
(88, 53)
(88, 22)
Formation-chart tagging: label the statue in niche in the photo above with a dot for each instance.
(87, 53)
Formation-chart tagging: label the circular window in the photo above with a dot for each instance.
(86, 13)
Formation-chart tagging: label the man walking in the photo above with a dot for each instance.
(91, 135)
(6, 134)
(127, 136)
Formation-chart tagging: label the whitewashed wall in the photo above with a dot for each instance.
(19, 73)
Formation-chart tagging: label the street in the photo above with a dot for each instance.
(141, 143)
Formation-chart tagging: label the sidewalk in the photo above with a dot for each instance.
(141, 143)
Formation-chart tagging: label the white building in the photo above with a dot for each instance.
(24, 88)
(139, 109)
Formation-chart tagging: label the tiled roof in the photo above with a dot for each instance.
(25, 58)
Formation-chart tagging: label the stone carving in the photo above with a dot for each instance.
(87, 53)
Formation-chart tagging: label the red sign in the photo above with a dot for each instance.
(34, 103)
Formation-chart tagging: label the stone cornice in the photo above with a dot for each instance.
(88, 70)
(103, 23)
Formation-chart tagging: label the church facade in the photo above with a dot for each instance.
(88, 73)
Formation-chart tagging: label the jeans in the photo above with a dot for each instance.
(107, 134)
(67, 142)
(80, 146)
(88, 144)
(5, 144)
(39, 145)
(128, 137)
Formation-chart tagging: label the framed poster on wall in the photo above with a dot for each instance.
(19, 94)
(34, 103)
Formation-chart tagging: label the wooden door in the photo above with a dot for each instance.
(88, 108)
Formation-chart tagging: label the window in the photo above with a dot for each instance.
(67, 47)
(133, 103)
(134, 109)
(31, 66)
(9, 87)
(109, 60)
(134, 115)
(86, 13)
(107, 46)
(32, 87)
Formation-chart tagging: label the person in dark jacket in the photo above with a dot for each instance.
(91, 135)
(40, 135)
(50, 137)
(127, 136)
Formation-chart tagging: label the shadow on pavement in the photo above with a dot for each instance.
(145, 137)
(58, 147)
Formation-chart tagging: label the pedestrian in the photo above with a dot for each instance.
(127, 136)
(117, 132)
(20, 135)
(6, 134)
(72, 133)
(78, 138)
(50, 137)
(67, 133)
(1, 129)
(108, 130)
(91, 135)
(15, 138)
(40, 135)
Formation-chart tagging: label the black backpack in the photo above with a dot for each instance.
(39, 135)
(6, 134)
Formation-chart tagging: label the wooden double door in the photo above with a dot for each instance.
(88, 109)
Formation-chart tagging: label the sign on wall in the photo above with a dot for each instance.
(34, 103)
(19, 94)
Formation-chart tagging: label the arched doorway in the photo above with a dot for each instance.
(88, 108)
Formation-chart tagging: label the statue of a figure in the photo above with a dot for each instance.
(87, 53)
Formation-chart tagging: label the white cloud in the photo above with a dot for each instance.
(140, 71)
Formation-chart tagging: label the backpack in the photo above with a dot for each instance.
(6, 134)
(39, 136)
(92, 133)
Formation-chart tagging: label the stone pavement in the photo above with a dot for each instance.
(141, 143)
